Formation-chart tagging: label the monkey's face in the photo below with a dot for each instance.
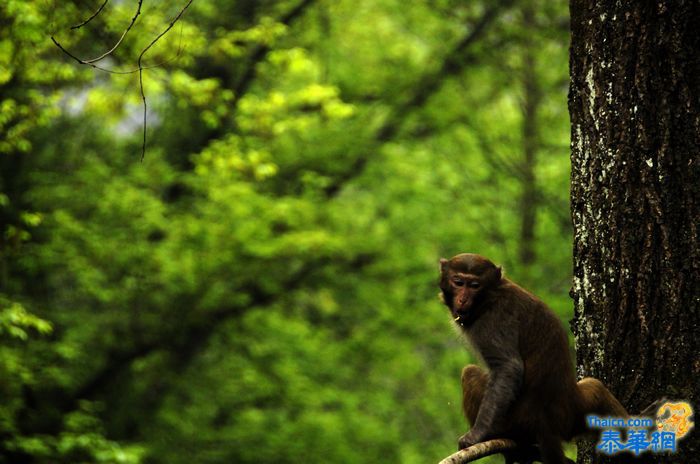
(464, 280)
(460, 292)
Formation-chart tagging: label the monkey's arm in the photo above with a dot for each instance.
(496, 338)
(501, 391)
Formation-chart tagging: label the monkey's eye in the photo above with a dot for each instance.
(458, 282)
(474, 284)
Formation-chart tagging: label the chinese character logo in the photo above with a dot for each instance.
(610, 442)
(674, 420)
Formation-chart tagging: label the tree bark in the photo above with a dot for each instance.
(635, 112)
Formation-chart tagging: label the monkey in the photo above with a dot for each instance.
(529, 392)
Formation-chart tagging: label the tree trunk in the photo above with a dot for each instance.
(635, 112)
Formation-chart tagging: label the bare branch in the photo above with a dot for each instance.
(479, 451)
(143, 52)
(111, 50)
(129, 71)
(140, 67)
(94, 15)
(180, 47)
(126, 31)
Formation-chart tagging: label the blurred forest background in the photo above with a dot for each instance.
(262, 286)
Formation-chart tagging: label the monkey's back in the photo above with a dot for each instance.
(549, 387)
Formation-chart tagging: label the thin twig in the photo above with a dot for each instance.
(108, 52)
(180, 47)
(78, 26)
(140, 67)
(113, 71)
(126, 31)
(143, 52)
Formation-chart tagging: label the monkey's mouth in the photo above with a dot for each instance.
(460, 317)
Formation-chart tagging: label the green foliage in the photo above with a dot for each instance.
(15, 321)
(262, 286)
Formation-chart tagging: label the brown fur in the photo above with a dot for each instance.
(530, 392)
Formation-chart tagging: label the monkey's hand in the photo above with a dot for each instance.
(470, 438)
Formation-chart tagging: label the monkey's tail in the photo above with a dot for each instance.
(594, 398)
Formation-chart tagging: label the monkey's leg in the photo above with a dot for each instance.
(550, 446)
(474, 381)
(597, 399)
(524, 454)
(529, 458)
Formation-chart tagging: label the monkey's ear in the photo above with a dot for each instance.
(443, 265)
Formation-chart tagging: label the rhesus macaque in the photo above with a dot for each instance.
(529, 393)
